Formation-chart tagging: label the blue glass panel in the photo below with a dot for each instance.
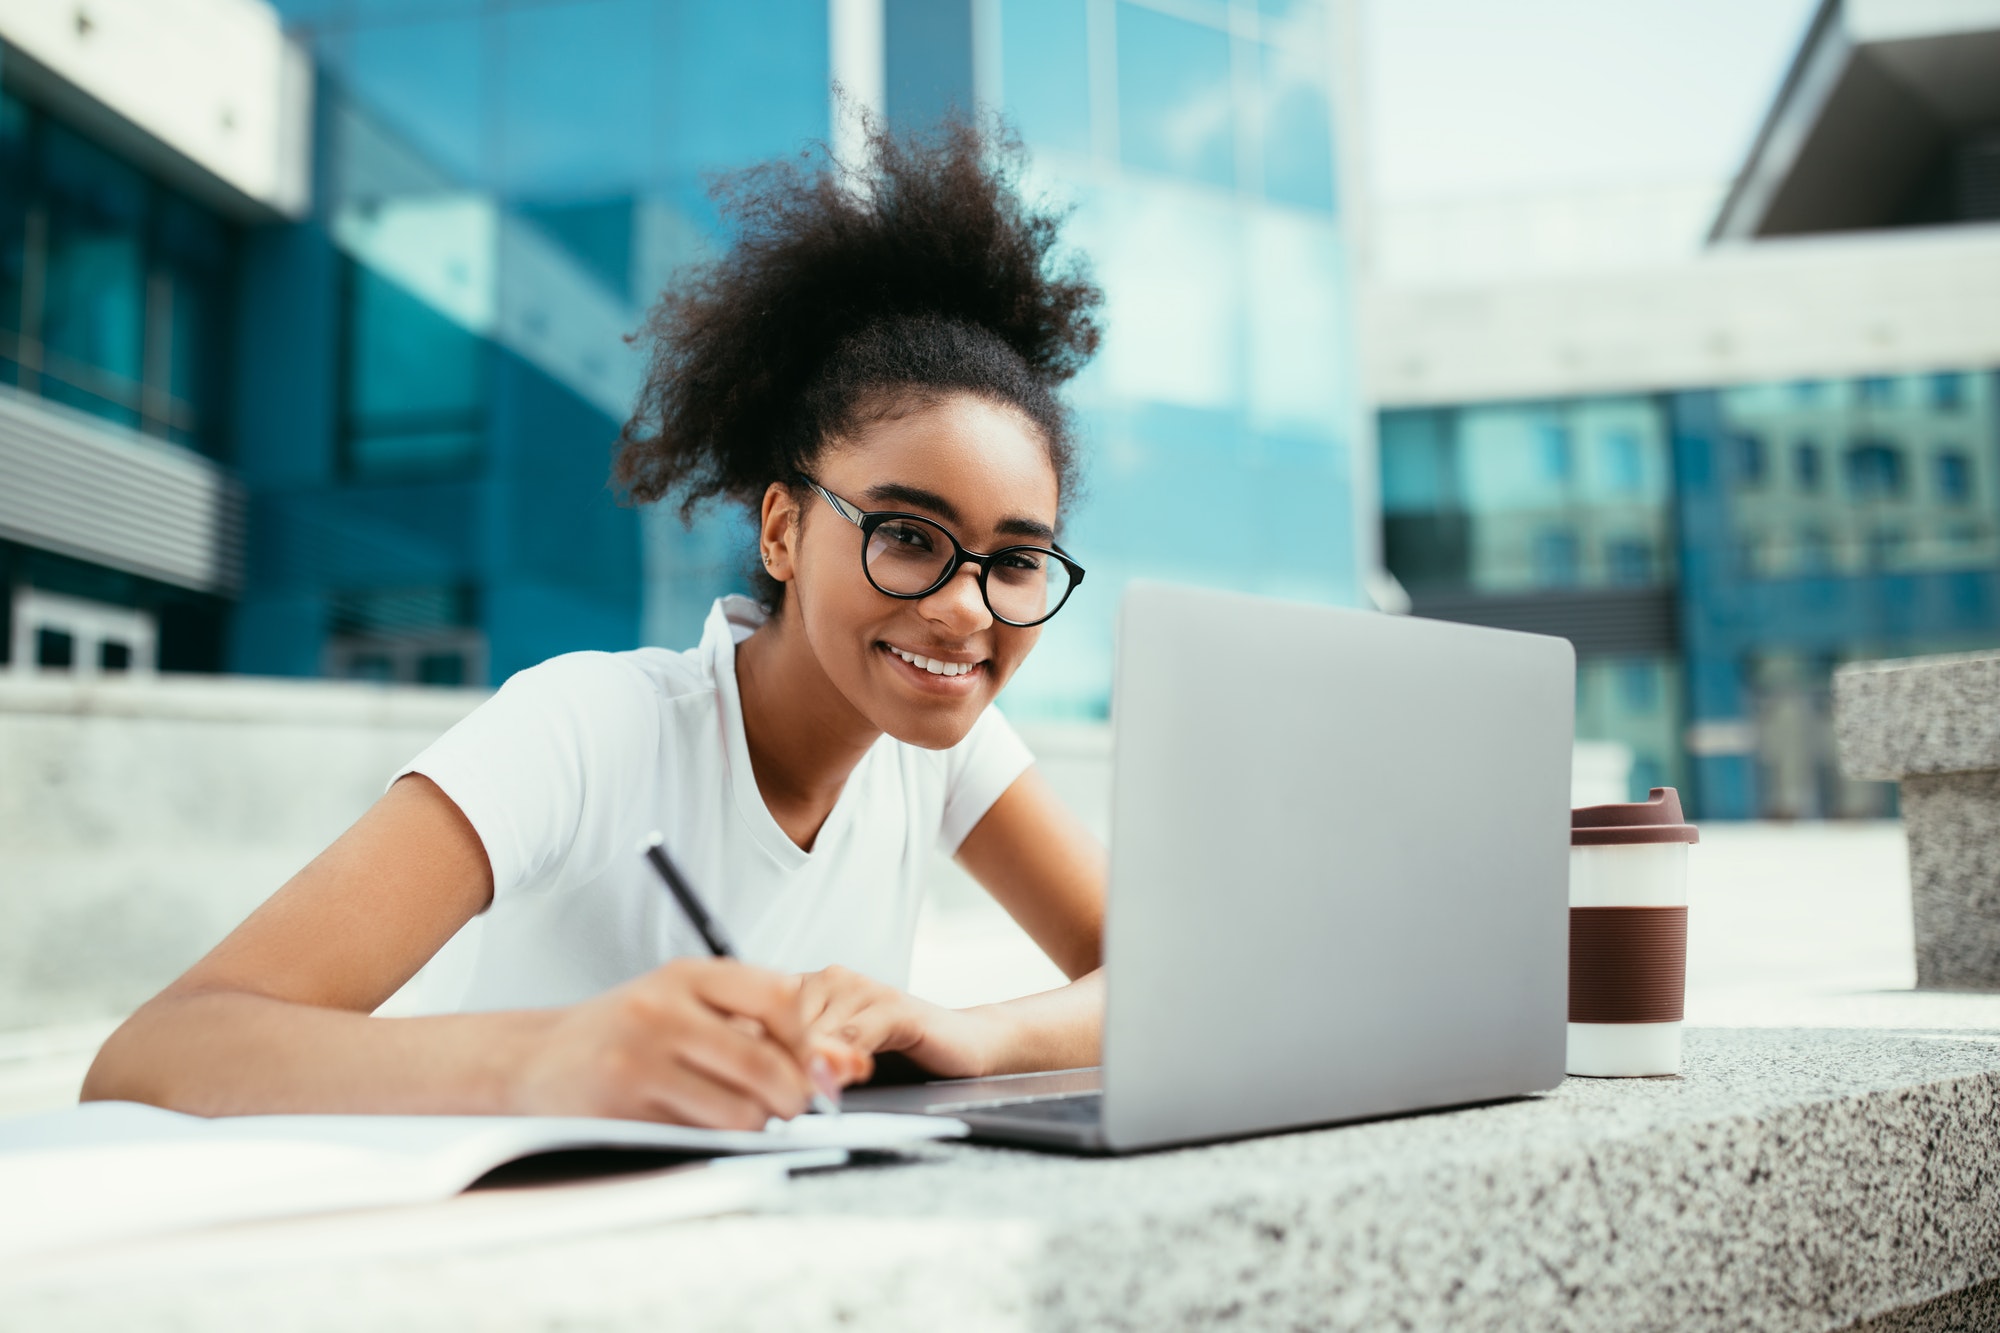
(598, 234)
(1806, 465)
(578, 112)
(1874, 471)
(1554, 451)
(1629, 561)
(1947, 392)
(14, 193)
(424, 81)
(1556, 564)
(1419, 473)
(309, 11)
(927, 57)
(765, 61)
(415, 385)
(1623, 462)
(1176, 111)
(1639, 686)
(1954, 477)
(406, 9)
(1045, 71)
(93, 318)
(1298, 127)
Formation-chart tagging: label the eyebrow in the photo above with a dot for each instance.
(893, 492)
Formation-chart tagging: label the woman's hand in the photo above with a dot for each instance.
(845, 1008)
(699, 1041)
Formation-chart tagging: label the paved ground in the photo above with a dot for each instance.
(1804, 925)
(1789, 925)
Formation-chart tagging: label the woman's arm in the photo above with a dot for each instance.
(277, 1017)
(1042, 865)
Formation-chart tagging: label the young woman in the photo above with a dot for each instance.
(871, 372)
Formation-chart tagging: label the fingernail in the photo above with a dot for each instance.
(824, 1078)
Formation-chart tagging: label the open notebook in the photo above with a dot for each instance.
(109, 1171)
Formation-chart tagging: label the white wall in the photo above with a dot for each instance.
(140, 820)
(1879, 303)
(215, 83)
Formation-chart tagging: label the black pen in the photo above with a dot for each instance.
(711, 933)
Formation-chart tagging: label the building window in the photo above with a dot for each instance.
(415, 385)
(1954, 477)
(1176, 102)
(1556, 560)
(1806, 466)
(1629, 561)
(1877, 390)
(1553, 446)
(113, 289)
(1947, 392)
(1624, 465)
(55, 632)
(411, 636)
(1875, 471)
(1639, 686)
(1750, 460)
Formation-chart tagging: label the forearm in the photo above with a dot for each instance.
(236, 1053)
(1057, 1029)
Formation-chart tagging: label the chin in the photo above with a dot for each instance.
(932, 727)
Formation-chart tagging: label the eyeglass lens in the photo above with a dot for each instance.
(908, 556)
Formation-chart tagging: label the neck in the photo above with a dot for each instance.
(803, 735)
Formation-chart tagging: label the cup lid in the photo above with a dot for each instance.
(1656, 819)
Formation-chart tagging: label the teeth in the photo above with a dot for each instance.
(931, 664)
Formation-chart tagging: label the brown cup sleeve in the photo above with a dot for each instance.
(1627, 964)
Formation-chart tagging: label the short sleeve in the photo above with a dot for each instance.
(544, 768)
(977, 770)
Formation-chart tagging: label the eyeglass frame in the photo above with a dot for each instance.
(870, 519)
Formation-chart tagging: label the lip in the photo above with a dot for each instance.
(948, 686)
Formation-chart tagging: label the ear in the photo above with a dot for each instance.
(778, 531)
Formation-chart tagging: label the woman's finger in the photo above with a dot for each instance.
(769, 997)
(689, 1096)
(752, 1065)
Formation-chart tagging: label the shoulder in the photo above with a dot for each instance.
(644, 677)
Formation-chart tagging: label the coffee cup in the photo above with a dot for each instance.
(1628, 936)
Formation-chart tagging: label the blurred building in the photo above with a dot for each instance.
(313, 320)
(1723, 477)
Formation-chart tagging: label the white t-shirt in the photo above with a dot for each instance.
(571, 763)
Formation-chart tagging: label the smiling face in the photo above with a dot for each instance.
(922, 669)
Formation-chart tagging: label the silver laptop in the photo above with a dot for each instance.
(1339, 879)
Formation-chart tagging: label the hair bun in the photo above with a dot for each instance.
(921, 269)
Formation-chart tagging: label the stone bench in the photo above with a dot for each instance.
(1791, 1180)
(1932, 724)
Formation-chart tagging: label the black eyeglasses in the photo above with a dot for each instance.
(910, 556)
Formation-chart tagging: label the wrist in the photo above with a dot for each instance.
(993, 1040)
(508, 1079)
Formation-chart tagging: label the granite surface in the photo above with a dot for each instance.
(1918, 715)
(1974, 1310)
(1790, 1180)
(1933, 723)
(1954, 825)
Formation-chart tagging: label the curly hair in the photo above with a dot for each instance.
(850, 296)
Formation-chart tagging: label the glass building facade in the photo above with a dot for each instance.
(114, 289)
(1196, 144)
(503, 189)
(117, 297)
(1715, 555)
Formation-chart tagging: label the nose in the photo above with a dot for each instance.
(958, 607)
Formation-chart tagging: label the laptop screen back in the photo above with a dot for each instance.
(1339, 875)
